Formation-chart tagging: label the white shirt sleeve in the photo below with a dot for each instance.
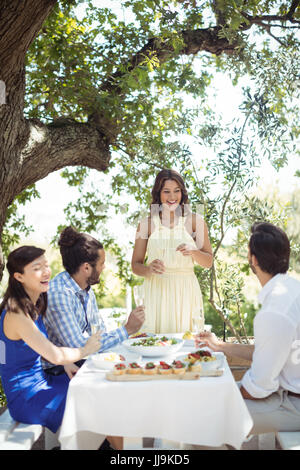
(274, 335)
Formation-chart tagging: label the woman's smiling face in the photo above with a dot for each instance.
(36, 276)
(170, 195)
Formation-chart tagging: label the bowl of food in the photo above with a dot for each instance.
(108, 360)
(157, 345)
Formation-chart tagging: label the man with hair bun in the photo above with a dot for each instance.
(72, 302)
(271, 387)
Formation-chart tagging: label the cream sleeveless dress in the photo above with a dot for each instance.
(171, 299)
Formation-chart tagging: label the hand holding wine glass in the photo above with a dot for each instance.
(137, 317)
(92, 345)
(135, 320)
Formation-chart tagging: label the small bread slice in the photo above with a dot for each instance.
(119, 370)
(164, 370)
(150, 370)
(134, 368)
(196, 367)
(179, 370)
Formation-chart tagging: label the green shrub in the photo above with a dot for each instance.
(2, 396)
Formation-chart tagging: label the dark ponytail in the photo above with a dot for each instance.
(16, 299)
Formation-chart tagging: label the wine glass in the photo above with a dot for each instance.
(138, 293)
(197, 321)
(96, 322)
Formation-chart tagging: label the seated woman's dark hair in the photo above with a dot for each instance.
(271, 247)
(16, 299)
(77, 248)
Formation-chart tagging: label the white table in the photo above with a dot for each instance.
(209, 411)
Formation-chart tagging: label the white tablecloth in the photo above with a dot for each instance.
(209, 411)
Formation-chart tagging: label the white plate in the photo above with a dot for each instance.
(153, 351)
(210, 365)
(101, 360)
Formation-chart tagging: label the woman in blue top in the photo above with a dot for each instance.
(33, 396)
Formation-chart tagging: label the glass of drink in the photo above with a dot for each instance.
(96, 323)
(197, 321)
(138, 293)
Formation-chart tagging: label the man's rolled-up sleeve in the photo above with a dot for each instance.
(273, 338)
(112, 338)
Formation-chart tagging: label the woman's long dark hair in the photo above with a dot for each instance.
(161, 178)
(16, 299)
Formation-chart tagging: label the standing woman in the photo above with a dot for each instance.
(33, 396)
(174, 239)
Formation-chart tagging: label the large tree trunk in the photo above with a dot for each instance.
(19, 24)
(30, 150)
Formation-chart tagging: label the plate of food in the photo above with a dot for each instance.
(150, 368)
(156, 345)
(208, 360)
(108, 360)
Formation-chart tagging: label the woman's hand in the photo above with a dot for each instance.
(71, 370)
(156, 267)
(186, 250)
(92, 345)
(206, 338)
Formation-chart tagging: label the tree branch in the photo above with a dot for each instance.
(292, 10)
(268, 18)
(227, 197)
(267, 27)
(218, 309)
(207, 40)
(194, 41)
(57, 145)
(242, 323)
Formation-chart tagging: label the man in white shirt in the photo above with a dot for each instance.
(271, 387)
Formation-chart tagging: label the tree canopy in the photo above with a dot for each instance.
(115, 86)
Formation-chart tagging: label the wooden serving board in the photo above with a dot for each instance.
(142, 377)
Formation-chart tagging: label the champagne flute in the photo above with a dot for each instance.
(138, 293)
(94, 328)
(95, 323)
(197, 321)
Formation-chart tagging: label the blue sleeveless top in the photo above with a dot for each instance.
(33, 396)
